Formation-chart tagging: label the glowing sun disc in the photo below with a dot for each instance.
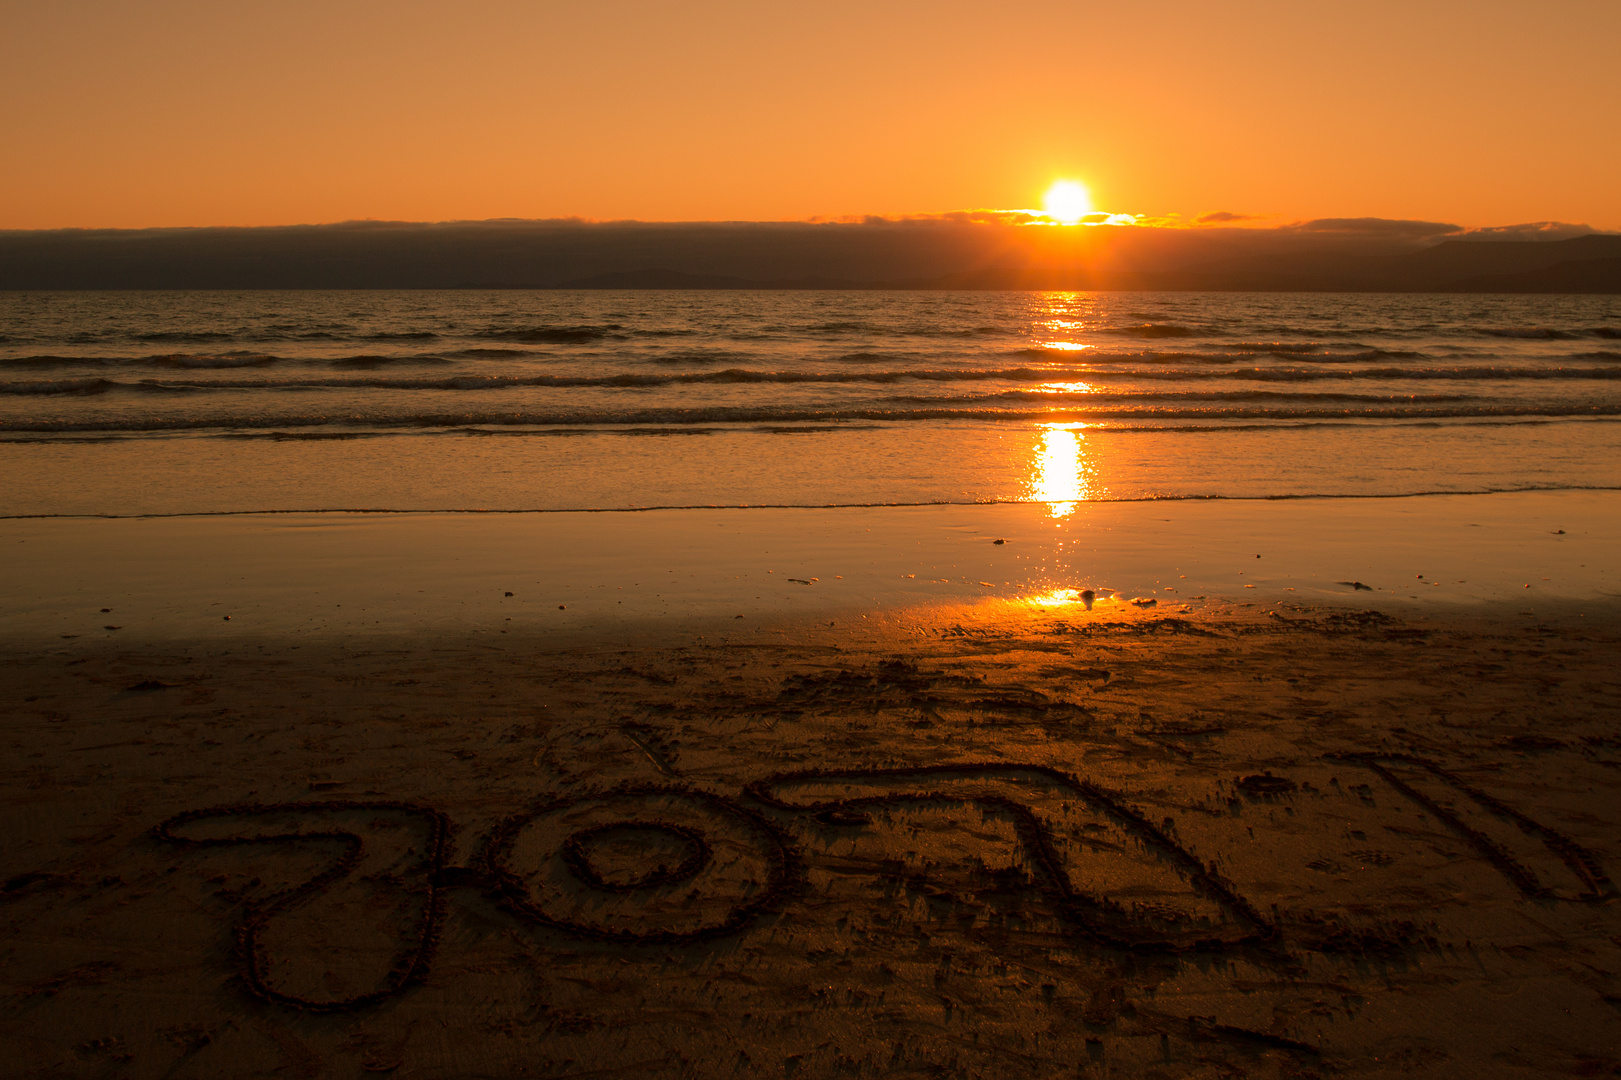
(1067, 201)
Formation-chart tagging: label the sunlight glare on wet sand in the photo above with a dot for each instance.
(1062, 474)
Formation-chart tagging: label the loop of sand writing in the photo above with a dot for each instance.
(577, 855)
(515, 892)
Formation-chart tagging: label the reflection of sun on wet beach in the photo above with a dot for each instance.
(1062, 474)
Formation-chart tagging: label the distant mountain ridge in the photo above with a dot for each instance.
(1336, 256)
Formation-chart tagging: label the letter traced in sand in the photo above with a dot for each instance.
(1508, 839)
(296, 915)
(1211, 914)
(734, 864)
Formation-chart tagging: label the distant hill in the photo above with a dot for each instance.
(1584, 264)
(1581, 276)
(657, 279)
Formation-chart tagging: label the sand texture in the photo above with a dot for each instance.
(1238, 842)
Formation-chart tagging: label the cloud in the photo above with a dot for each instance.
(975, 248)
(1533, 230)
(1221, 217)
(955, 217)
(1369, 228)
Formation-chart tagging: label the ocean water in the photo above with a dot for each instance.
(198, 402)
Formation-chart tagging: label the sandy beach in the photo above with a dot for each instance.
(1281, 831)
(675, 542)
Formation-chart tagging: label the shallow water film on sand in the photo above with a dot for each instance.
(201, 402)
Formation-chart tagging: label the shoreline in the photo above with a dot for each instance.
(885, 505)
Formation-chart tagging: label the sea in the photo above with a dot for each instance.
(152, 403)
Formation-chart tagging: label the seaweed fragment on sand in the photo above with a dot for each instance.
(1264, 785)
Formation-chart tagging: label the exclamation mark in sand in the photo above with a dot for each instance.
(1539, 860)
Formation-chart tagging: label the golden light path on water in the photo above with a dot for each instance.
(1062, 473)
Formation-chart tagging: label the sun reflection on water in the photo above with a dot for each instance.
(1062, 473)
(1058, 319)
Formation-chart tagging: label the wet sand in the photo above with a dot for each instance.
(969, 834)
(572, 577)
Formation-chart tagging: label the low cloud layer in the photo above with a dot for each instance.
(1375, 228)
(986, 249)
(1535, 230)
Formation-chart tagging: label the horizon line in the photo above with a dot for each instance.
(1210, 221)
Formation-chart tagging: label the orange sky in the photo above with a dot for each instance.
(178, 112)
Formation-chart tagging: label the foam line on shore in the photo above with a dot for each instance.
(814, 506)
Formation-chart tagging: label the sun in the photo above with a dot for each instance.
(1067, 202)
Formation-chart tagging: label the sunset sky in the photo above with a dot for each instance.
(120, 113)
